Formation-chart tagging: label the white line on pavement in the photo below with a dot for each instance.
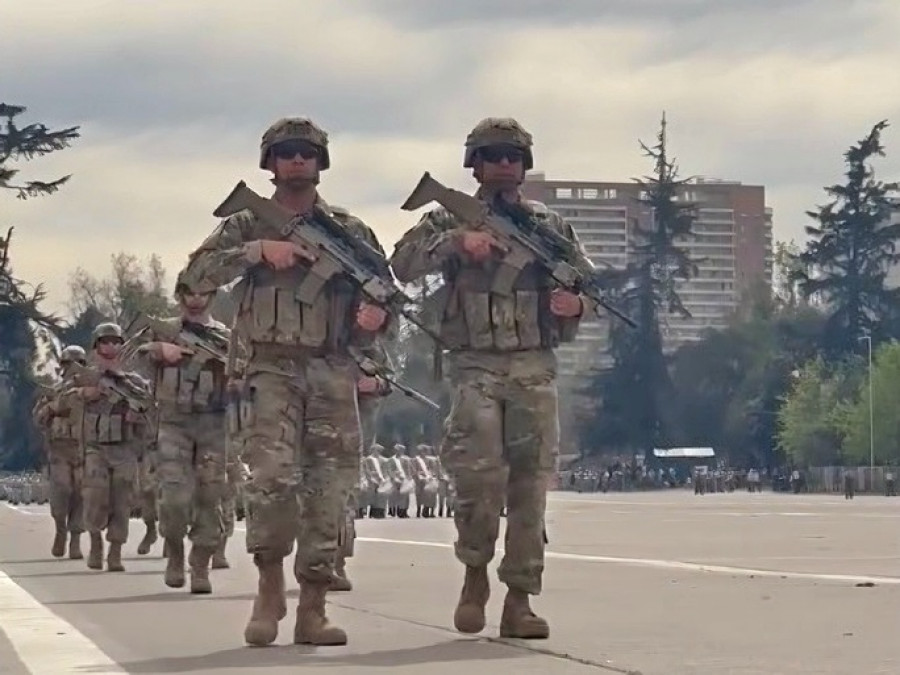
(671, 564)
(45, 642)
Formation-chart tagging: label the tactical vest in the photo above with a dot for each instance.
(105, 423)
(62, 428)
(191, 386)
(475, 318)
(270, 311)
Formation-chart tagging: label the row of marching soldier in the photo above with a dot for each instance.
(302, 401)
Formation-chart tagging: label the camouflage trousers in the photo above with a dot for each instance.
(146, 488)
(190, 470)
(110, 472)
(230, 497)
(66, 471)
(301, 442)
(501, 443)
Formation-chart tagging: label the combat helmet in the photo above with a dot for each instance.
(104, 330)
(72, 353)
(294, 129)
(183, 283)
(496, 131)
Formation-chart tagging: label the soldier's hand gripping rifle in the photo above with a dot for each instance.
(373, 369)
(117, 385)
(524, 240)
(338, 251)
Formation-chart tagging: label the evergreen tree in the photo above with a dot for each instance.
(851, 250)
(19, 302)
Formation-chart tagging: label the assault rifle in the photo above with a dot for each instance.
(373, 369)
(524, 239)
(338, 251)
(117, 385)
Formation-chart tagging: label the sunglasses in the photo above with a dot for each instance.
(290, 149)
(496, 153)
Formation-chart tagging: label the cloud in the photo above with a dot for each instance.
(172, 102)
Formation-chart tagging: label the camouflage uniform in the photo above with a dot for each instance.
(65, 462)
(300, 422)
(190, 457)
(112, 437)
(501, 437)
(146, 488)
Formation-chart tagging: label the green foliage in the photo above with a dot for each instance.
(886, 411)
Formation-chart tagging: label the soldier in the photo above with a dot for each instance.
(426, 484)
(146, 489)
(376, 482)
(112, 432)
(502, 434)
(190, 391)
(300, 426)
(403, 483)
(65, 463)
(442, 478)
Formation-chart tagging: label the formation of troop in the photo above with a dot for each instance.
(178, 416)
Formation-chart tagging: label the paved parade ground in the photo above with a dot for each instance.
(662, 583)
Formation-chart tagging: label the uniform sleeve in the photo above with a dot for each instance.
(424, 249)
(221, 258)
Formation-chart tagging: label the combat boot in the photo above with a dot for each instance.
(340, 581)
(270, 604)
(476, 590)
(114, 558)
(313, 627)
(219, 561)
(518, 621)
(174, 576)
(199, 562)
(75, 547)
(58, 550)
(95, 555)
(149, 539)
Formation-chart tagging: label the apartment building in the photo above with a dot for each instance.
(732, 241)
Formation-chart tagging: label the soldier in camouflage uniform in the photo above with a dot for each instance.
(112, 436)
(146, 488)
(300, 426)
(501, 437)
(190, 459)
(65, 462)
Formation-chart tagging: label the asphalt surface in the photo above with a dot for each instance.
(661, 583)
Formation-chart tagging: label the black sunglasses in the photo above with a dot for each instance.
(496, 153)
(290, 149)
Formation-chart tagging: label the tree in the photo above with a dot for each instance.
(20, 312)
(634, 390)
(132, 288)
(886, 411)
(851, 250)
(787, 269)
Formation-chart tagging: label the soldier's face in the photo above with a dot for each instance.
(108, 347)
(501, 164)
(195, 303)
(294, 163)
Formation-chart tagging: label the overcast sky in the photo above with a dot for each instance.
(173, 95)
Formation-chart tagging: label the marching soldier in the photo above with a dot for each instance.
(502, 436)
(65, 463)
(301, 428)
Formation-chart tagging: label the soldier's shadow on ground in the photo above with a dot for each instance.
(293, 656)
(78, 573)
(174, 595)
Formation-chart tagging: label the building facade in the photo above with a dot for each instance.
(732, 243)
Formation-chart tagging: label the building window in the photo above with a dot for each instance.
(589, 193)
(563, 193)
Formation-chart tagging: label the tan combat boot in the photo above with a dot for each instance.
(313, 627)
(95, 556)
(174, 576)
(518, 621)
(75, 547)
(149, 539)
(114, 558)
(476, 590)
(219, 561)
(199, 562)
(58, 550)
(340, 581)
(270, 604)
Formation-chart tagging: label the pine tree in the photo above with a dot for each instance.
(851, 250)
(19, 302)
